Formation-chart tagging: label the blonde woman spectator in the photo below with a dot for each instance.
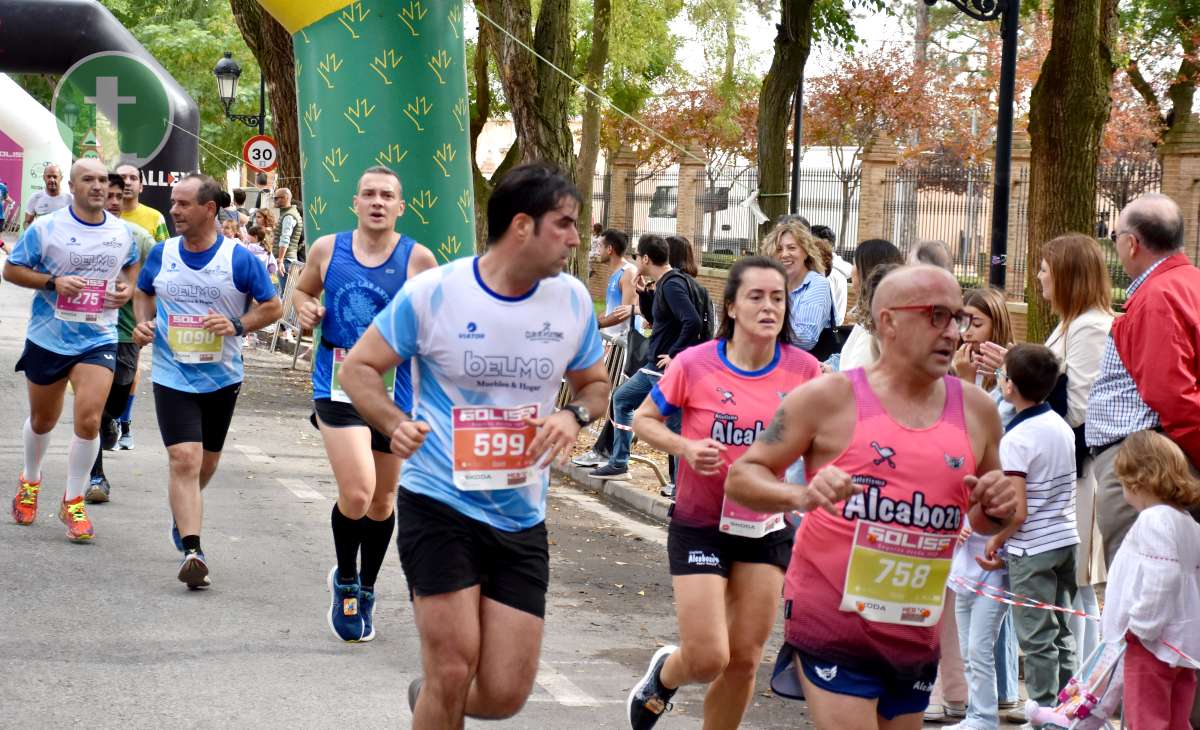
(792, 245)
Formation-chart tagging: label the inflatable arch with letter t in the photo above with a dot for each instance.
(384, 82)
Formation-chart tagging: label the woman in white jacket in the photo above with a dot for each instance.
(859, 349)
(1075, 281)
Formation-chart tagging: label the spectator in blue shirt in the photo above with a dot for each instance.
(811, 296)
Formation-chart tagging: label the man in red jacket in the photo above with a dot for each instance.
(1149, 371)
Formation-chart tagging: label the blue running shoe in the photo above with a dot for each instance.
(345, 617)
(176, 538)
(193, 570)
(366, 608)
(98, 490)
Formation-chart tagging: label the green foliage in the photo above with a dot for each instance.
(189, 49)
(187, 37)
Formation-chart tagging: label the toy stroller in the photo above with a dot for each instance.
(1091, 697)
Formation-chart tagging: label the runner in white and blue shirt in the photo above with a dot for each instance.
(491, 339)
(358, 272)
(80, 259)
(198, 293)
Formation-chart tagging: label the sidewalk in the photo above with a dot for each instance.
(639, 492)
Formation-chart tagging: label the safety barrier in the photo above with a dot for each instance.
(290, 321)
(614, 364)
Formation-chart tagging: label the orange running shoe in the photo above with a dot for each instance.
(24, 504)
(74, 516)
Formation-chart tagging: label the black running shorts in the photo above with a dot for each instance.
(442, 551)
(190, 417)
(336, 414)
(127, 363)
(47, 367)
(708, 551)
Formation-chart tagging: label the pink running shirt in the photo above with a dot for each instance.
(727, 404)
(912, 478)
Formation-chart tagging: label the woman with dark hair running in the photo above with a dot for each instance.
(727, 563)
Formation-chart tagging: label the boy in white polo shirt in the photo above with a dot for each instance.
(1038, 449)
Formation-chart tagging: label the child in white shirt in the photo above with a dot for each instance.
(1153, 593)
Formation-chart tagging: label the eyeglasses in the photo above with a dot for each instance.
(940, 316)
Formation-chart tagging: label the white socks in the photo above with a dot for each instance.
(80, 458)
(36, 445)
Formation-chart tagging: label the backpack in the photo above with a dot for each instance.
(704, 307)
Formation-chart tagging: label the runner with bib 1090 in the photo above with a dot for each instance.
(81, 260)
(359, 272)
(490, 339)
(198, 293)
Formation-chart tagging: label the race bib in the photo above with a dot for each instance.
(897, 575)
(190, 342)
(491, 447)
(744, 522)
(86, 306)
(336, 393)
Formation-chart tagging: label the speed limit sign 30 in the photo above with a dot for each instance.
(261, 153)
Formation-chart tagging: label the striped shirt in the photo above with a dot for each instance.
(1039, 446)
(1115, 408)
(812, 310)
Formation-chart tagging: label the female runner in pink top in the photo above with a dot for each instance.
(727, 563)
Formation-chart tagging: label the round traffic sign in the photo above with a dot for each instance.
(261, 153)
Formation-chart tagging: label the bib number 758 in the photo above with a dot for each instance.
(903, 574)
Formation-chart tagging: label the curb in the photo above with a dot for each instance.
(648, 504)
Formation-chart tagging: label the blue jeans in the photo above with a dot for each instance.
(979, 621)
(1086, 632)
(1007, 660)
(625, 401)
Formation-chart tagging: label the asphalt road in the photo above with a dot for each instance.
(104, 635)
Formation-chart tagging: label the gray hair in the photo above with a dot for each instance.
(1156, 221)
(934, 253)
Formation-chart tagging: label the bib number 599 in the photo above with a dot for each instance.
(903, 573)
(499, 444)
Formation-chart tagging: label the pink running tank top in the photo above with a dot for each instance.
(913, 488)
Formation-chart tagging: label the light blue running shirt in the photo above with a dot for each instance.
(474, 347)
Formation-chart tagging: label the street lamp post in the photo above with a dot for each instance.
(227, 72)
(1008, 11)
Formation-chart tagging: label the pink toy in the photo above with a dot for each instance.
(1090, 697)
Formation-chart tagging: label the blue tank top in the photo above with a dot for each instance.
(354, 294)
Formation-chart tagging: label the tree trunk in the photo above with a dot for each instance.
(1067, 114)
(537, 95)
(589, 148)
(271, 45)
(792, 42)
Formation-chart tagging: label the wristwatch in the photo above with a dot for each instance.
(49, 285)
(239, 329)
(582, 415)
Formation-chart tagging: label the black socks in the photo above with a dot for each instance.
(376, 537)
(347, 536)
(191, 543)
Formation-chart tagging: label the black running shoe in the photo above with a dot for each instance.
(648, 699)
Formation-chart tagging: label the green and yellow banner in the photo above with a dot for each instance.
(384, 82)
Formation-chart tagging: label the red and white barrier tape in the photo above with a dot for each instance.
(1016, 599)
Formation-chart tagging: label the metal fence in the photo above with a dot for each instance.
(953, 204)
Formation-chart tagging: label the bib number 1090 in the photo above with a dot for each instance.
(499, 444)
(903, 574)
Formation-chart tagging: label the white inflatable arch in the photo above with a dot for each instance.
(33, 127)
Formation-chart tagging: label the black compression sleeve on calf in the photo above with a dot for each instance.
(347, 535)
(377, 536)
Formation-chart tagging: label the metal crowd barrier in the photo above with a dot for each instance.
(614, 365)
(290, 320)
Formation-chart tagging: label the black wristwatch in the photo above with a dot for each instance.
(582, 415)
(239, 329)
(49, 285)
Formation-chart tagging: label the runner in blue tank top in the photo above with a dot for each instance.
(359, 272)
